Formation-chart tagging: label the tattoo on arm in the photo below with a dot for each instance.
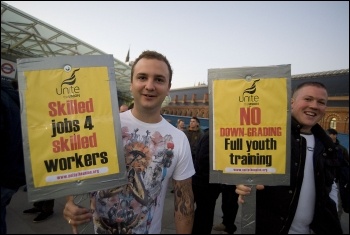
(184, 203)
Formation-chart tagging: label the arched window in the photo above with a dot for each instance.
(333, 123)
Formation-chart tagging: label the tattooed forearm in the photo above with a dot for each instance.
(184, 206)
(184, 197)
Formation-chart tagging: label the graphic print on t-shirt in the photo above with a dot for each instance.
(130, 208)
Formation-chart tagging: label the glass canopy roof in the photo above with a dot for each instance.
(24, 36)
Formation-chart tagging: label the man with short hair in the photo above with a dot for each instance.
(194, 133)
(181, 124)
(163, 153)
(305, 206)
(123, 108)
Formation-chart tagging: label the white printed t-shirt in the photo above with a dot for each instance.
(154, 153)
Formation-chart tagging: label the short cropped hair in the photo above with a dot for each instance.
(153, 55)
(195, 119)
(316, 84)
(332, 131)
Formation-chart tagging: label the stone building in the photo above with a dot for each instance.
(24, 36)
(194, 101)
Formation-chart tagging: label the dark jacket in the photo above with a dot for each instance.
(343, 151)
(193, 137)
(276, 205)
(12, 161)
(201, 162)
(343, 176)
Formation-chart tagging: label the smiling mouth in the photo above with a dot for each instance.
(149, 95)
(311, 114)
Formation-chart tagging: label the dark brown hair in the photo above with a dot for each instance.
(196, 119)
(332, 131)
(153, 55)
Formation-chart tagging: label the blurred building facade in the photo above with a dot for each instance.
(194, 101)
(24, 36)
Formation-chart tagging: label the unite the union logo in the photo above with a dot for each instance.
(67, 88)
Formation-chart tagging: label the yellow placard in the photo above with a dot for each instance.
(250, 126)
(70, 125)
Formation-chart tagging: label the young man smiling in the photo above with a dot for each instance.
(163, 153)
(305, 206)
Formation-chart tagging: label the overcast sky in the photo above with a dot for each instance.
(196, 36)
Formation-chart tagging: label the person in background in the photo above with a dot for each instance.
(12, 159)
(123, 108)
(180, 124)
(44, 208)
(305, 206)
(342, 179)
(155, 151)
(333, 134)
(194, 133)
(131, 106)
(229, 208)
(206, 194)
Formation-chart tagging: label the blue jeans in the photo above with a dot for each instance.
(6, 196)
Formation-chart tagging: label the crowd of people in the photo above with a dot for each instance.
(179, 155)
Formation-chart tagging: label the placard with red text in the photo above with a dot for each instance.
(250, 121)
(71, 126)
